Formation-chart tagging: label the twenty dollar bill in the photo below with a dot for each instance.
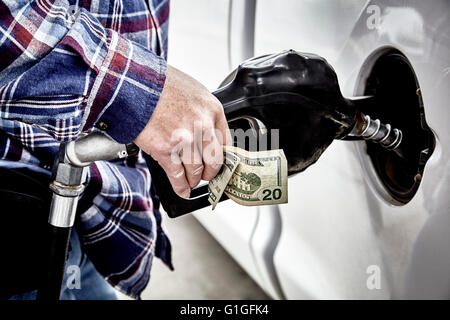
(259, 178)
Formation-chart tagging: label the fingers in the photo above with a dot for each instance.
(202, 153)
(222, 126)
(193, 165)
(213, 142)
(177, 176)
(189, 153)
(212, 154)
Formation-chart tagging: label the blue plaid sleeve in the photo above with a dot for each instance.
(64, 72)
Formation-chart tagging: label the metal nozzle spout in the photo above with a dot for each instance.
(383, 134)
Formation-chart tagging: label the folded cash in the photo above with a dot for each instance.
(216, 186)
(251, 178)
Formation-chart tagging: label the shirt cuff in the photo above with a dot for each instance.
(126, 89)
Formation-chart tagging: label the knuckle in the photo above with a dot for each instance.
(204, 119)
(187, 137)
(216, 103)
(160, 149)
(176, 173)
(181, 137)
(218, 109)
(208, 128)
(197, 170)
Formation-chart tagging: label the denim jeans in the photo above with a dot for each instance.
(81, 280)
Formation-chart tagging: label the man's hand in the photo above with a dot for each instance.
(186, 132)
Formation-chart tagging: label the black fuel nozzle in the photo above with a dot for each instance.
(294, 101)
(295, 93)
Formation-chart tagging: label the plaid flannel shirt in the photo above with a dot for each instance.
(65, 67)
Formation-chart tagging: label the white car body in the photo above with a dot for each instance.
(340, 236)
